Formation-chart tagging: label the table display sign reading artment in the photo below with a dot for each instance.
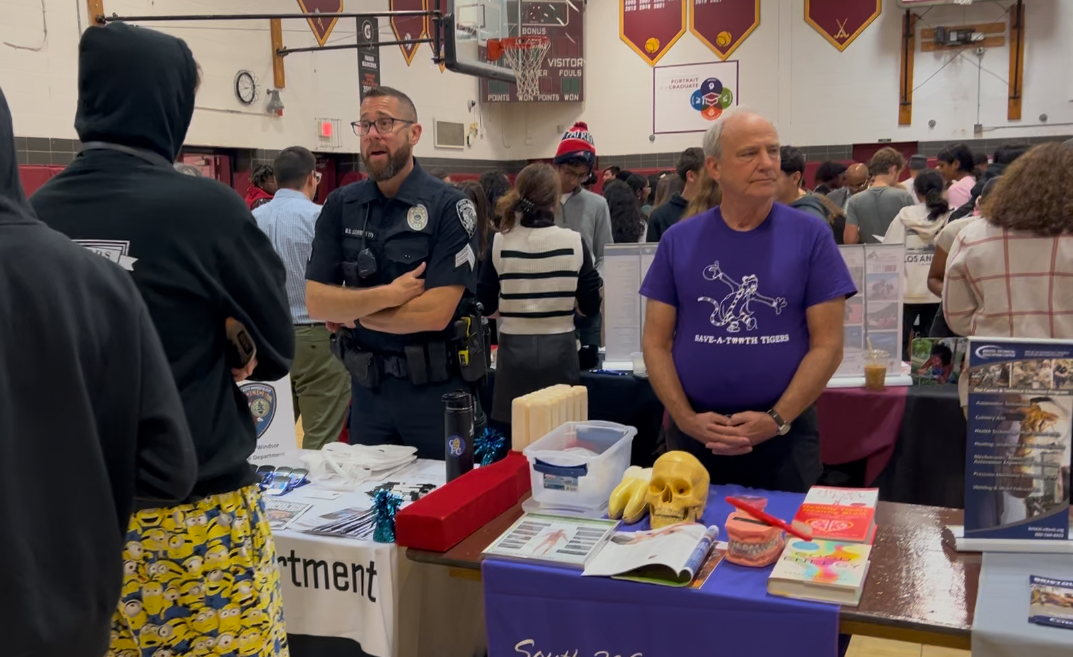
(1020, 413)
(873, 317)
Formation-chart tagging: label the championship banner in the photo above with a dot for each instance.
(321, 27)
(651, 27)
(841, 21)
(723, 24)
(688, 97)
(408, 28)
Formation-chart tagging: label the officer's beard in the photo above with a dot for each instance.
(396, 162)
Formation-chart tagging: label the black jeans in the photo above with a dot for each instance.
(400, 413)
(910, 313)
(789, 463)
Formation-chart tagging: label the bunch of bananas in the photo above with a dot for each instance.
(628, 498)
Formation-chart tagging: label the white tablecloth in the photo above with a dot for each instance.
(370, 592)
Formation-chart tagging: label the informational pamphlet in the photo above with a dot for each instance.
(1020, 413)
(1051, 602)
(282, 513)
(874, 315)
(672, 555)
(553, 540)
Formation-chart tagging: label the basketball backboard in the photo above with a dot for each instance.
(468, 26)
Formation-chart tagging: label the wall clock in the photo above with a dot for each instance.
(245, 87)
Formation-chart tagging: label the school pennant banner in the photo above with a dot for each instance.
(841, 21)
(409, 28)
(723, 24)
(322, 27)
(651, 27)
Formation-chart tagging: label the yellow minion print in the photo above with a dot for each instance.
(200, 580)
(153, 598)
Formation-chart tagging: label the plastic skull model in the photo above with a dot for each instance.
(678, 489)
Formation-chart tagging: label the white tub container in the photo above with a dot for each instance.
(575, 467)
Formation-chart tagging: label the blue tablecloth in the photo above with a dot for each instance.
(536, 610)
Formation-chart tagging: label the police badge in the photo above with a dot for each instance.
(467, 214)
(417, 217)
(262, 400)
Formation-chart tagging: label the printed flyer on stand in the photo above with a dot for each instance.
(1020, 413)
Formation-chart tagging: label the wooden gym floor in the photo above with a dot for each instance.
(863, 646)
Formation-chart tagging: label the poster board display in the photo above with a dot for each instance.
(1020, 415)
(272, 409)
(625, 268)
(874, 315)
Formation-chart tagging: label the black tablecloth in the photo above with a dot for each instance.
(625, 399)
(928, 465)
(302, 645)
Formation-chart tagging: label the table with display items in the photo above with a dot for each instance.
(919, 590)
(345, 597)
(908, 441)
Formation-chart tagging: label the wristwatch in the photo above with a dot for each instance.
(784, 426)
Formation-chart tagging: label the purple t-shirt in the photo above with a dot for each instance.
(741, 299)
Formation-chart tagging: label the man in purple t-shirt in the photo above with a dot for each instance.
(744, 321)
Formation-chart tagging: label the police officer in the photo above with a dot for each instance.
(394, 262)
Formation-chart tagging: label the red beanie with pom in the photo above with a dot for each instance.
(577, 144)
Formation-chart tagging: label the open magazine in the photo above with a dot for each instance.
(671, 556)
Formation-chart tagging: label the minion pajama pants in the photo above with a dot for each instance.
(201, 579)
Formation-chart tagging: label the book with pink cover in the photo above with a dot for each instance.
(825, 571)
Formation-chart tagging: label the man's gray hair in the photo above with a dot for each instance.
(712, 147)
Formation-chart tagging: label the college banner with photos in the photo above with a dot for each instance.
(723, 25)
(651, 27)
(272, 408)
(321, 27)
(841, 21)
(1020, 434)
(409, 28)
(874, 315)
(689, 97)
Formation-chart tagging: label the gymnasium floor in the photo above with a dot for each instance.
(868, 647)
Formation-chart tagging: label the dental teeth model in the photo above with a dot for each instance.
(628, 499)
(752, 542)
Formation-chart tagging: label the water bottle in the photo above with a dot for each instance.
(458, 433)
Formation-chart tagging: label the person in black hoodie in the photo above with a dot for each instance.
(200, 262)
(90, 420)
(689, 167)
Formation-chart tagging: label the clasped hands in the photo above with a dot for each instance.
(730, 436)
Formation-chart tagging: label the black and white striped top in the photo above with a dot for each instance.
(533, 277)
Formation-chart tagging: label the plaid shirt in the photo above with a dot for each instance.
(1008, 283)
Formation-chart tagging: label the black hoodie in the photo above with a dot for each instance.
(89, 420)
(191, 244)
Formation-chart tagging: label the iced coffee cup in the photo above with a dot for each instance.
(875, 369)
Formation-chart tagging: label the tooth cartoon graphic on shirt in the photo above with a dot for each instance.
(734, 311)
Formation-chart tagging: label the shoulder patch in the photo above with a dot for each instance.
(467, 214)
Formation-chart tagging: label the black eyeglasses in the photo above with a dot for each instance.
(384, 125)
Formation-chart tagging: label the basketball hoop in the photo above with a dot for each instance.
(525, 55)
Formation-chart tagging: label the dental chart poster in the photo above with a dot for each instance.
(1020, 414)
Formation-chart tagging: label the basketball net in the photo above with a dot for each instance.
(526, 55)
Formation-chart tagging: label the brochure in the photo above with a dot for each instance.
(671, 556)
(934, 361)
(552, 540)
(1020, 414)
(1051, 602)
(282, 513)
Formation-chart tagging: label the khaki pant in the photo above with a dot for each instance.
(320, 386)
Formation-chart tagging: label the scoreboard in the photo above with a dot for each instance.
(563, 70)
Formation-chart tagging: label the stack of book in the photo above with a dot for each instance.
(833, 566)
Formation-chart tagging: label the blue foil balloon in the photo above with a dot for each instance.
(386, 504)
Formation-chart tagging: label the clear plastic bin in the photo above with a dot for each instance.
(568, 479)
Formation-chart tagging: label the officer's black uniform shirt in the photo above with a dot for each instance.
(427, 221)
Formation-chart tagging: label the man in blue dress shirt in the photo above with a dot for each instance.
(320, 385)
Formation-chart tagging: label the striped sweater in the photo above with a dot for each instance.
(533, 277)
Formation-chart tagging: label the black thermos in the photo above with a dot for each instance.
(458, 433)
